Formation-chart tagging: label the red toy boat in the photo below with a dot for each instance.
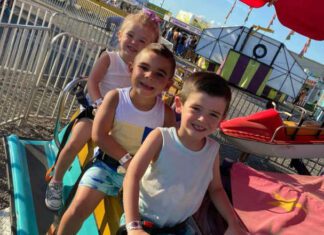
(266, 134)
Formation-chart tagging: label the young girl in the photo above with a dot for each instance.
(128, 115)
(110, 72)
(170, 173)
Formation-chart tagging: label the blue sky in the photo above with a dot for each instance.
(216, 10)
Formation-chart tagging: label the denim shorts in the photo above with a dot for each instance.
(102, 178)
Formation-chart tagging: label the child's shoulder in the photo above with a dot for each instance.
(123, 89)
(170, 131)
(164, 130)
(122, 92)
(109, 55)
(104, 57)
(212, 143)
(167, 129)
(212, 140)
(112, 96)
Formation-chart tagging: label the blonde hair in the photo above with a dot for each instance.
(141, 18)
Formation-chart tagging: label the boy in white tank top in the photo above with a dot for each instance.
(121, 123)
(170, 173)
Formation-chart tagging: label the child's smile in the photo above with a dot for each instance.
(132, 49)
(198, 127)
(146, 86)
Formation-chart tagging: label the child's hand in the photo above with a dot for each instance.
(137, 232)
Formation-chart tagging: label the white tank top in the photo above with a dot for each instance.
(131, 126)
(173, 187)
(117, 75)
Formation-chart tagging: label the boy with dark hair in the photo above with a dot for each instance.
(170, 173)
(121, 123)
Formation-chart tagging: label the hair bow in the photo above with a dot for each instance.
(152, 16)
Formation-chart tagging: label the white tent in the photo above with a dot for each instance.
(287, 75)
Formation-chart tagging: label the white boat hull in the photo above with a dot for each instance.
(276, 150)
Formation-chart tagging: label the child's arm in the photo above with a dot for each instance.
(170, 117)
(137, 167)
(97, 74)
(222, 203)
(103, 123)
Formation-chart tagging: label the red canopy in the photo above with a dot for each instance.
(255, 3)
(303, 16)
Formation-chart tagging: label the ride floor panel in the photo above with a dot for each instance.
(28, 161)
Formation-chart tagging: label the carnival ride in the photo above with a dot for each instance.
(266, 134)
(29, 163)
(250, 60)
(304, 17)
